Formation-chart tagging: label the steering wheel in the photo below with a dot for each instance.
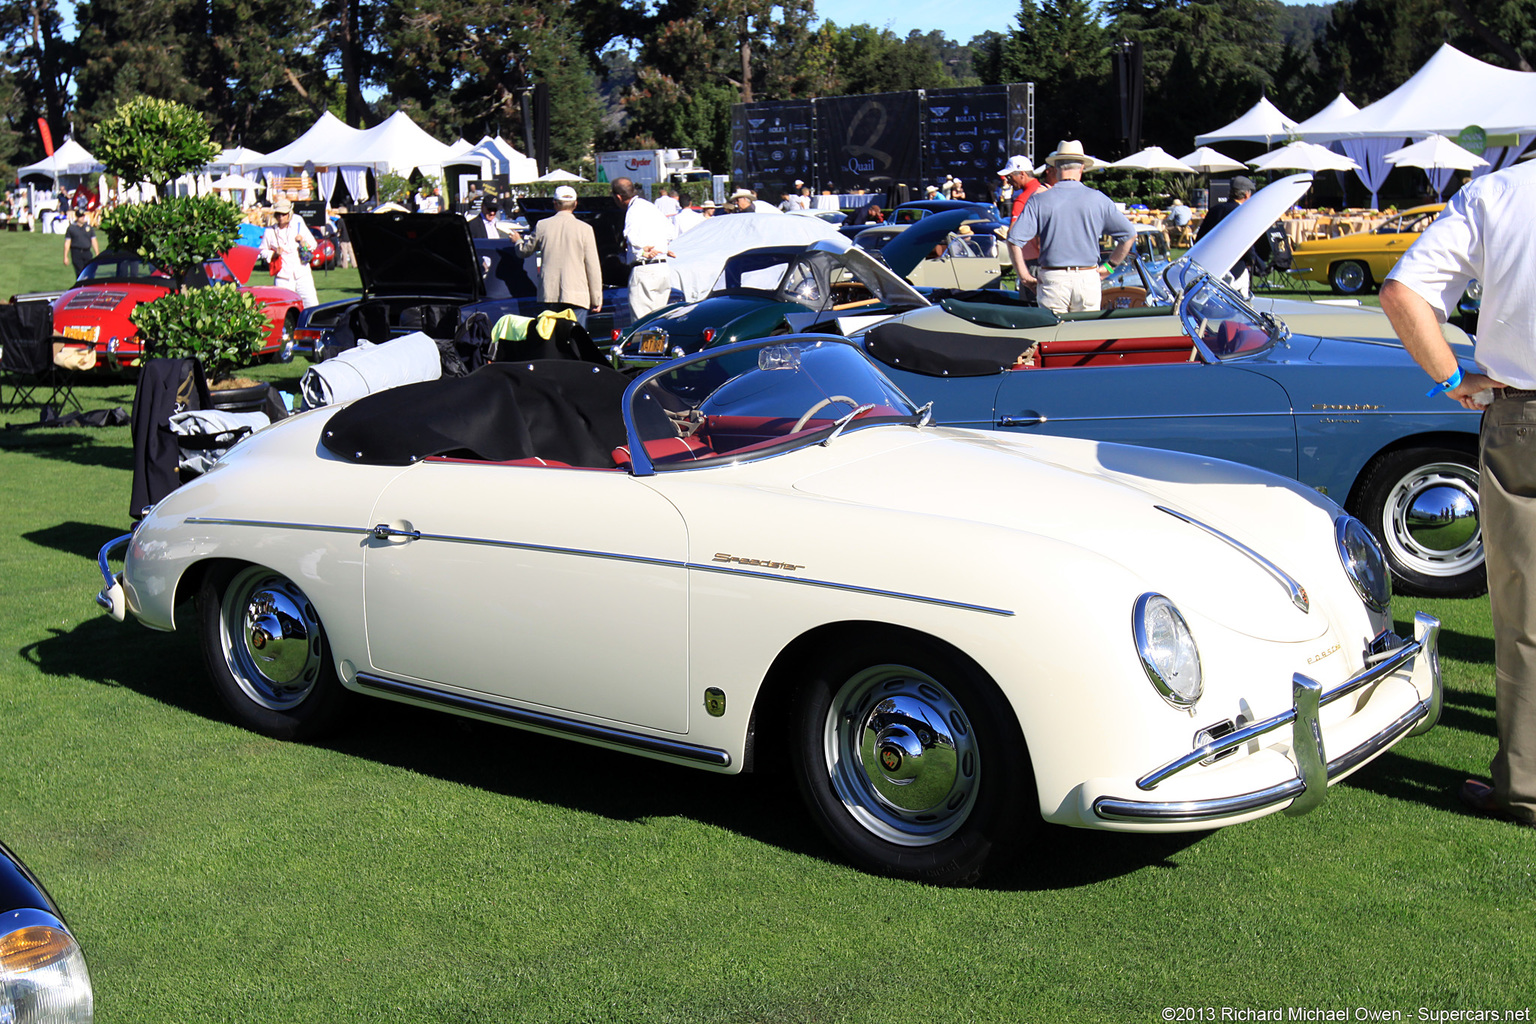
(813, 410)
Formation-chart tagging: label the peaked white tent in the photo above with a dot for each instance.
(1341, 107)
(328, 140)
(460, 146)
(398, 144)
(497, 156)
(236, 157)
(70, 158)
(1262, 122)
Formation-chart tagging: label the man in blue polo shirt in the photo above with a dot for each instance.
(1069, 219)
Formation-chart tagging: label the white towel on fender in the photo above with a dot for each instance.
(368, 368)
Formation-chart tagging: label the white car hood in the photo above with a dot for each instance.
(1103, 498)
(1238, 230)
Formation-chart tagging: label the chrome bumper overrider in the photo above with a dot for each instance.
(1313, 768)
(111, 597)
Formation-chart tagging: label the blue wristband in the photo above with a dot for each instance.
(1454, 380)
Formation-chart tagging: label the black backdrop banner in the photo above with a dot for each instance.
(870, 141)
(882, 140)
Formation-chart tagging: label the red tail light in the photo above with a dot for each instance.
(613, 335)
(709, 335)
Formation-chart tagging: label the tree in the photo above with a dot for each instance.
(34, 75)
(865, 59)
(1061, 47)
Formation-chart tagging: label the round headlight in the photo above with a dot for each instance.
(1363, 563)
(1167, 650)
(43, 979)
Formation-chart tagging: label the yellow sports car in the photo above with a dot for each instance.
(1351, 264)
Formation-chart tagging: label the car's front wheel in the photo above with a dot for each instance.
(912, 762)
(1349, 277)
(267, 653)
(1422, 504)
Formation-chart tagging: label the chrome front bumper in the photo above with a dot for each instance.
(1313, 768)
(111, 597)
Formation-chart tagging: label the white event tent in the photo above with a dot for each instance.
(1452, 91)
(1262, 122)
(395, 144)
(69, 159)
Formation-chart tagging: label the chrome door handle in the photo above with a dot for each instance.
(384, 531)
(1027, 418)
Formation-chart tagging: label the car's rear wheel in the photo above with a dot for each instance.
(912, 762)
(1422, 504)
(1349, 277)
(267, 654)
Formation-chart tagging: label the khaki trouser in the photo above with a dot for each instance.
(650, 287)
(1069, 291)
(1507, 500)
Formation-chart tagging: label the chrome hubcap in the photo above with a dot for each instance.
(1350, 277)
(902, 755)
(1432, 520)
(271, 638)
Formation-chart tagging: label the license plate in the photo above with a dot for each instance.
(79, 332)
(653, 342)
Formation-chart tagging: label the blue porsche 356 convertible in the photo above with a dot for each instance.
(1322, 394)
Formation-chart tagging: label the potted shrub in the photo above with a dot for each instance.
(157, 141)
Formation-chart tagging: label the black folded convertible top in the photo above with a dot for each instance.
(556, 409)
(903, 346)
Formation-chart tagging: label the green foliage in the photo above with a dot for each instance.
(154, 140)
(220, 326)
(178, 233)
(394, 188)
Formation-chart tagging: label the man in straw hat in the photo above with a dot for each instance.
(1069, 220)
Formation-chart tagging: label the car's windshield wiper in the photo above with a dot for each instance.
(837, 428)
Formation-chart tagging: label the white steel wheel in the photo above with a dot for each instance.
(1422, 504)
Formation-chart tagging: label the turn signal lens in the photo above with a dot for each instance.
(43, 979)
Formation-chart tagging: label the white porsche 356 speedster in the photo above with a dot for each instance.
(948, 635)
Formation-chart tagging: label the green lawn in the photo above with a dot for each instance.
(425, 868)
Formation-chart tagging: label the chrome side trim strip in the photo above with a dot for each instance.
(668, 563)
(267, 524)
(554, 723)
(1297, 594)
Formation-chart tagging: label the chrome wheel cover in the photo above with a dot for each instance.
(271, 638)
(1349, 276)
(902, 755)
(1431, 520)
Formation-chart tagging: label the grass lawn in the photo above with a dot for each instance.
(424, 868)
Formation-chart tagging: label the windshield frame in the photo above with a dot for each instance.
(1201, 279)
(641, 463)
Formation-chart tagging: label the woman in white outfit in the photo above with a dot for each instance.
(282, 241)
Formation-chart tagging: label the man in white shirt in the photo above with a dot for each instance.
(647, 235)
(1485, 233)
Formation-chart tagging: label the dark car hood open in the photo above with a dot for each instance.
(415, 254)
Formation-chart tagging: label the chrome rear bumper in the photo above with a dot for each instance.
(1313, 769)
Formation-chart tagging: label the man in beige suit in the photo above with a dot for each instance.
(569, 275)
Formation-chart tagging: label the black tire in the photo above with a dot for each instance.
(912, 762)
(1421, 503)
(1349, 277)
(267, 654)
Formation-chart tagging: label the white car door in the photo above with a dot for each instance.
(560, 588)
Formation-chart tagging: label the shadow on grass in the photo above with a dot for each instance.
(762, 806)
(1411, 780)
(1466, 647)
(83, 539)
(71, 445)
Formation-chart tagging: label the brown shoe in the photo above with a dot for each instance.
(1479, 797)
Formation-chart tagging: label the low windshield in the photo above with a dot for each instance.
(760, 271)
(1222, 322)
(128, 267)
(758, 399)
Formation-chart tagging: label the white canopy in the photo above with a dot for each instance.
(460, 146)
(1304, 156)
(1450, 92)
(397, 144)
(1153, 158)
(238, 156)
(560, 174)
(498, 156)
(70, 158)
(1263, 122)
(1439, 156)
(1207, 161)
(328, 141)
(1341, 107)
(235, 181)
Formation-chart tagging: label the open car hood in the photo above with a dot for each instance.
(415, 254)
(904, 252)
(1237, 232)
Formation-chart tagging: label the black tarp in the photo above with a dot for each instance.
(554, 409)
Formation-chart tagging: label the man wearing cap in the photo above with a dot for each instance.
(647, 235)
(1068, 220)
(1018, 173)
(569, 274)
(1252, 263)
(287, 247)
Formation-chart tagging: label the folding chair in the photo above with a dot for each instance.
(27, 365)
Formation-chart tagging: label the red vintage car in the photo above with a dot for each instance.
(95, 311)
